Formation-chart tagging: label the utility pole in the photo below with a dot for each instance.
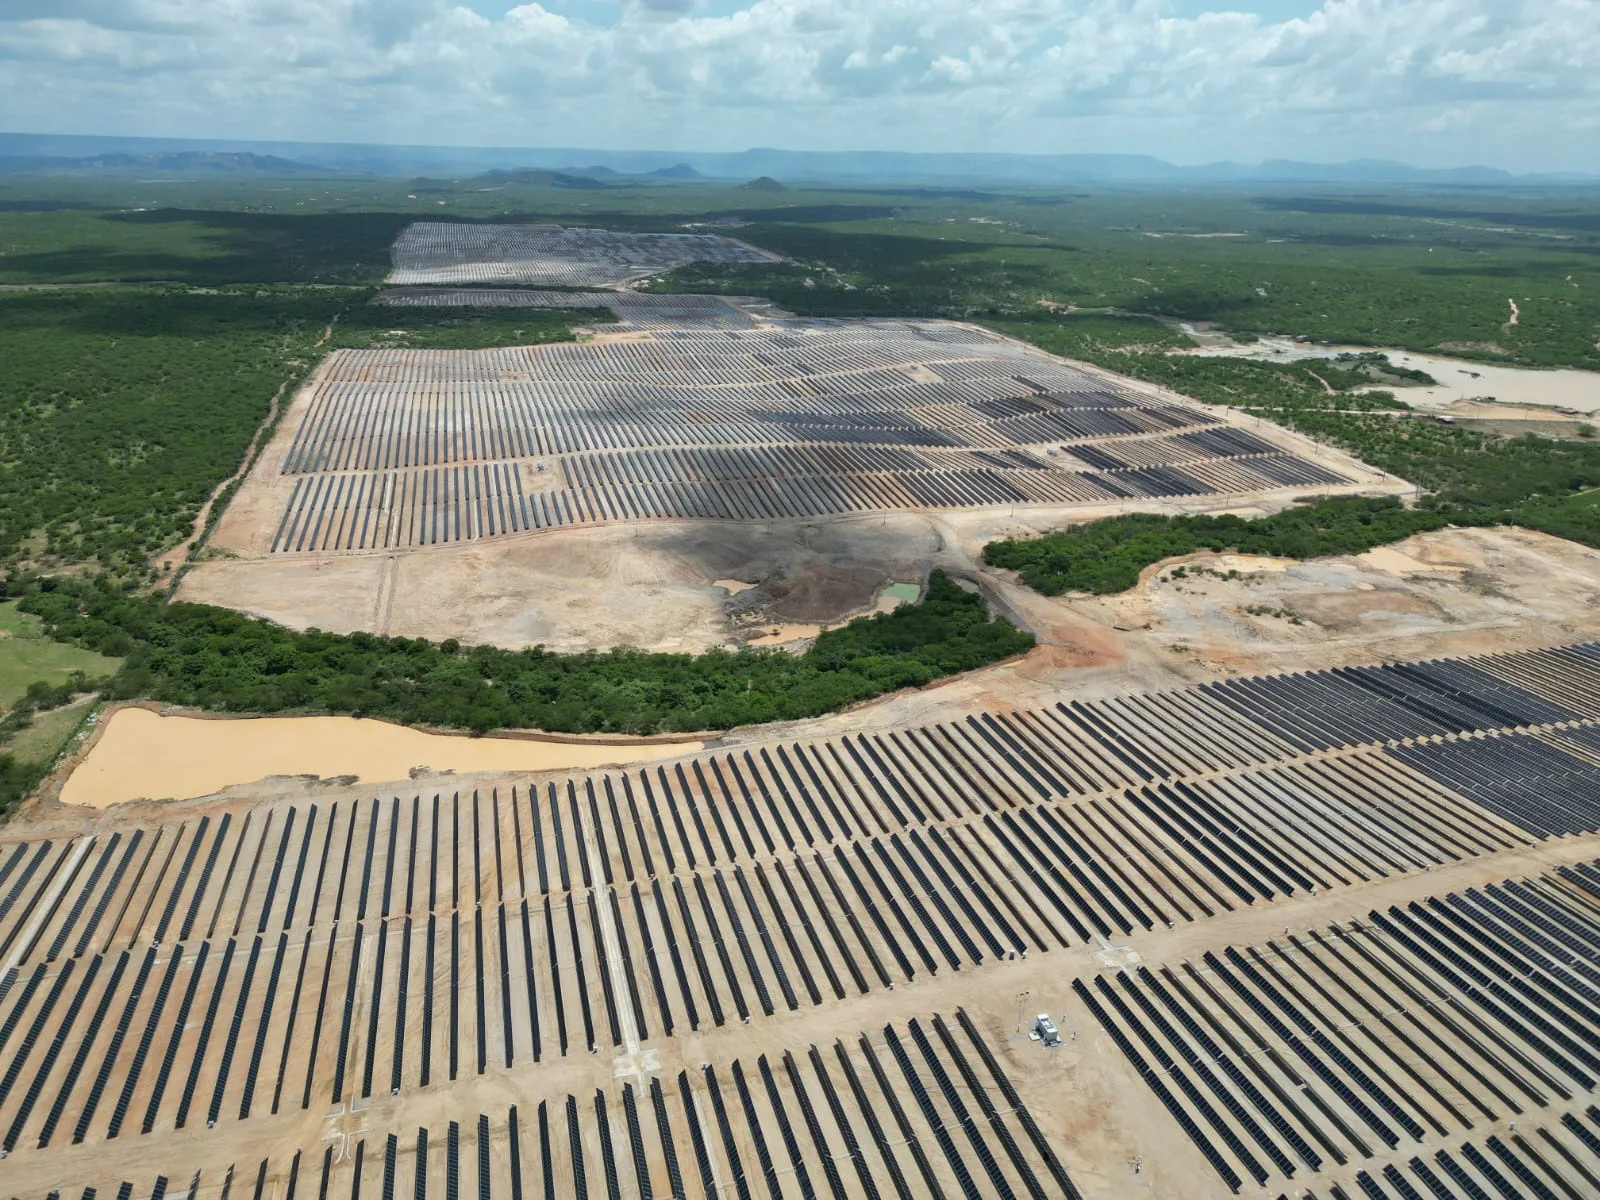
(1021, 996)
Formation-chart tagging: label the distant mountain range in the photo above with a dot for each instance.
(43, 152)
(180, 161)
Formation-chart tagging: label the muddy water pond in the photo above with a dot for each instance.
(144, 755)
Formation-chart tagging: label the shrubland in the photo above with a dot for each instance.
(1107, 556)
(218, 659)
(1465, 476)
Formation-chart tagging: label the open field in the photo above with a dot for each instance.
(1297, 931)
(549, 256)
(28, 656)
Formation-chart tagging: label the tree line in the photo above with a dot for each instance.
(220, 660)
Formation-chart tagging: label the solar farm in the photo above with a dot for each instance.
(1325, 934)
(1300, 935)
(434, 252)
(706, 408)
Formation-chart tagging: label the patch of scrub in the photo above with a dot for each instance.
(143, 755)
(28, 656)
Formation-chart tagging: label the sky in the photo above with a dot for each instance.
(1507, 83)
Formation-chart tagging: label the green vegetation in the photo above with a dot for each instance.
(1138, 346)
(459, 328)
(1469, 477)
(178, 245)
(1434, 276)
(1283, 614)
(43, 738)
(218, 659)
(29, 746)
(1107, 556)
(122, 409)
(29, 657)
(1424, 270)
(39, 675)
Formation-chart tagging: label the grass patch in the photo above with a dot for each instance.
(44, 739)
(28, 656)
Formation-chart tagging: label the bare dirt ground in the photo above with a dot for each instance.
(1455, 590)
(651, 584)
(1455, 593)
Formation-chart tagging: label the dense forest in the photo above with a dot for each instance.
(218, 659)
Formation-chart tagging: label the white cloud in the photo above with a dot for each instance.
(1431, 81)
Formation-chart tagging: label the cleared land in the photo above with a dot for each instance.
(405, 487)
(1297, 931)
(550, 256)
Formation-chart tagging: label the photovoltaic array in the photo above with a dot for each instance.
(784, 420)
(266, 965)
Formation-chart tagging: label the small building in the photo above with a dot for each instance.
(1046, 1029)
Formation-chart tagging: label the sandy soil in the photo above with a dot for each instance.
(1473, 591)
(661, 585)
(1460, 381)
(140, 754)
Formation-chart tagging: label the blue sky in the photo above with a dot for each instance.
(1436, 82)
